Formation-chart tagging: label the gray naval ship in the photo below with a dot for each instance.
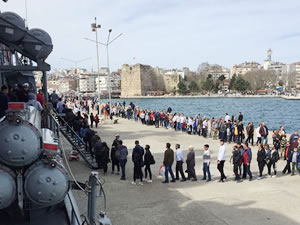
(35, 181)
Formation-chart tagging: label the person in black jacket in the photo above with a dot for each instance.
(236, 160)
(114, 155)
(261, 160)
(137, 159)
(104, 157)
(147, 162)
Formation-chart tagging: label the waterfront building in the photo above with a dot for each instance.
(214, 71)
(87, 82)
(243, 68)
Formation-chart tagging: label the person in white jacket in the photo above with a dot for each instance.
(221, 160)
(258, 135)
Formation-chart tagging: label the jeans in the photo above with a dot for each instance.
(179, 170)
(148, 170)
(222, 135)
(246, 170)
(137, 172)
(168, 169)
(78, 137)
(206, 170)
(166, 123)
(236, 171)
(221, 169)
(123, 164)
(295, 165)
(264, 140)
(261, 166)
(178, 126)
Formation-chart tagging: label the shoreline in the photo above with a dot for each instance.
(211, 96)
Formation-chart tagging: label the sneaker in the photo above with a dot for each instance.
(274, 176)
(194, 179)
(259, 178)
(122, 178)
(117, 173)
(133, 183)
(141, 183)
(183, 180)
(149, 181)
(173, 181)
(112, 172)
(165, 182)
(209, 180)
(268, 176)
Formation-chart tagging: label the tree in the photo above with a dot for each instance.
(261, 79)
(240, 84)
(182, 88)
(193, 87)
(232, 81)
(207, 84)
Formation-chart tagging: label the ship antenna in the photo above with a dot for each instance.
(26, 15)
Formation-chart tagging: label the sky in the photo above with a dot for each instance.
(166, 33)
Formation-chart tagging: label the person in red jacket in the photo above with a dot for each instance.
(40, 97)
(247, 157)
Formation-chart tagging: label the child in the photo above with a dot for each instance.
(295, 159)
(283, 145)
(206, 163)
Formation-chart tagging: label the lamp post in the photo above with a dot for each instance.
(108, 42)
(95, 27)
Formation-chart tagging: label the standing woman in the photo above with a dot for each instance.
(190, 161)
(261, 160)
(148, 161)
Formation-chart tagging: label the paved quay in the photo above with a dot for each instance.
(273, 201)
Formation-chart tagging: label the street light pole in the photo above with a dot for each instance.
(109, 78)
(95, 27)
(107, 55)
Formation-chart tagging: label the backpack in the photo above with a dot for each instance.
(117, 154)
(152, 161)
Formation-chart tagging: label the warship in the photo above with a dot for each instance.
(36, 181)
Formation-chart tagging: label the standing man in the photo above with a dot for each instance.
(221, 160)
(241, 117)
(54, 99)
(168, 161)
(3, 100)
(92, 119)
(137, 159)
(114, 155)
(179, 162)
(123, 158)
(206, 163)
(263, 130)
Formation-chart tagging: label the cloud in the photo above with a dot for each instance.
(289, 36)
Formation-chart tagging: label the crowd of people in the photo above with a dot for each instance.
(228, 129)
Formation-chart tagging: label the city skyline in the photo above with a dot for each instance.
(168, 34)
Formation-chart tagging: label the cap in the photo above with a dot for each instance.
(25, 85)
(117, 135)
